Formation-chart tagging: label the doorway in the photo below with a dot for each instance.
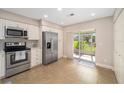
(84, 45)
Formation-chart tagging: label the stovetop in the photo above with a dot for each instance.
(16, 49)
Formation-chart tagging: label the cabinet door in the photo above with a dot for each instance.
(35, 57)
(1, 29)
(11, 23)
(60, 44)
(33, 32)
(22, 25)
(54, 49)
(121, 61)
(119, 28)
(2, 64)
(45, 28)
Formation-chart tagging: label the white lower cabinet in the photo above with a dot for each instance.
(36, 57)
(2, 64)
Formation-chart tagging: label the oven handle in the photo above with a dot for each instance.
(27, 51)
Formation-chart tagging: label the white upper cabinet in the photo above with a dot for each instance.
(33, 32)
(45, 28)
(16, 24)
(2, 29)
(11, 23)
(22, 25)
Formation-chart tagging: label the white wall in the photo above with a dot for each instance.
(119, 45)
(104, 39)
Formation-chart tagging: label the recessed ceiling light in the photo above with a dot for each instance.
(59, 9)
(93, 14)
(45, 16)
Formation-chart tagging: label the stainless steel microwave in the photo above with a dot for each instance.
(15, 32)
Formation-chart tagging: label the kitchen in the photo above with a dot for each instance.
(33, 40)
(30, 41)
(61, 46)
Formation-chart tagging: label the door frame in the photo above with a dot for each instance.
(88, 30)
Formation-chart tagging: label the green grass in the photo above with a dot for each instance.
(76, 44)
(84, 46)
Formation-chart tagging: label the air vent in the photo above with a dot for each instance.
(72, 14)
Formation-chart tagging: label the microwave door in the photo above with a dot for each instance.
(13, 33)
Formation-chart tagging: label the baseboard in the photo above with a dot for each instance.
(116, 77)
(105, 66)
(2, 77)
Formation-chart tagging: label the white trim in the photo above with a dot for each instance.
(2, 77)
(105, 66)
(117, 77)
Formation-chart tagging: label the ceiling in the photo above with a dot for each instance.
(63, 17)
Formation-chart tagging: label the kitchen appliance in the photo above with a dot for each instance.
(49, 47)
(17, 57)
(15, 32)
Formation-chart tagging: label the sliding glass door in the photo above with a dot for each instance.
(84, 46)
(76, 45)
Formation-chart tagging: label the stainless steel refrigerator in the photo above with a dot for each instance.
(49, 47)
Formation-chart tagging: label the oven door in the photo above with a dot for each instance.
(11, 32)
(17, 58)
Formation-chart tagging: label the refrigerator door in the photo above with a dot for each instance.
(54, 48)
(50, 47)
(47, 45)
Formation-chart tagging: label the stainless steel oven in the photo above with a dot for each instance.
(17, 57)
(13, 60)
(15, 32)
